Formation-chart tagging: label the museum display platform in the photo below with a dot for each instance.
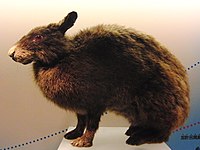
(112, 138)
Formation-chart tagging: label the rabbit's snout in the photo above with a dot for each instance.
(20, 55)
(11, 52)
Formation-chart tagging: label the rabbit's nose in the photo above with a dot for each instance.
(11, 52)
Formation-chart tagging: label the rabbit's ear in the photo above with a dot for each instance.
(68, 22)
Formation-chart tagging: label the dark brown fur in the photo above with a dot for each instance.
(108, 67)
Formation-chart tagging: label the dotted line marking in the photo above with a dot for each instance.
(193, 66)
(34, 141)
(197, 123)
(187, 127)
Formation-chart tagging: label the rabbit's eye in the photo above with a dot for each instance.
(37, 38)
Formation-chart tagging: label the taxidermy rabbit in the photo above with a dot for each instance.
(108, 68)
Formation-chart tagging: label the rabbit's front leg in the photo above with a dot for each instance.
(86, 140)
(80, 127)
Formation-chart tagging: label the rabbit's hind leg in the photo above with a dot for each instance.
(148, 135)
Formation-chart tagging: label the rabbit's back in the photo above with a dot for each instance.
(132, 69)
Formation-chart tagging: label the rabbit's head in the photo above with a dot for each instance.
(45, 44)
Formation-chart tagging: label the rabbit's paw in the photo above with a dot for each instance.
(73, 134)
(82, 142)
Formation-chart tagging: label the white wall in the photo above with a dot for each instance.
(25, 113)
